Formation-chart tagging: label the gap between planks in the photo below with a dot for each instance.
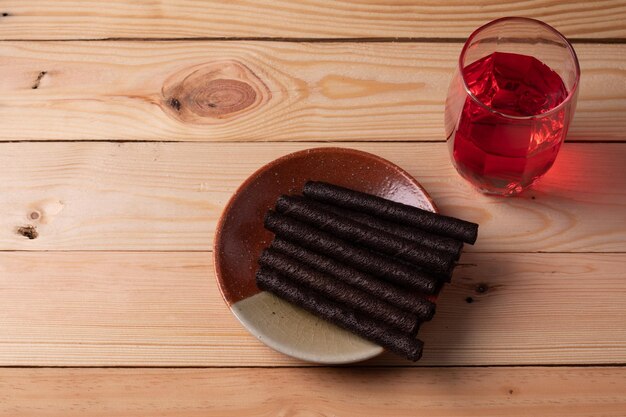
(211, 251)
(592, 41)
(218, 142)
(349, 365)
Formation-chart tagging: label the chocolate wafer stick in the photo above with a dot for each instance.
(406, 300)
(339, 291)
(419, 236)
(391, 210)
(430, 259)
(363, 259)
(310, 300)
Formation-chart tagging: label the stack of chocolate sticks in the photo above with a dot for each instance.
(365, 263)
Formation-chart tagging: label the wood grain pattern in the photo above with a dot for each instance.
(367, 392)
(73, 19)
(105, 247)
(168, 196)
(260, 91)
(164, 309)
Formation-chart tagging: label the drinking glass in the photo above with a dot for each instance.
(510, 103)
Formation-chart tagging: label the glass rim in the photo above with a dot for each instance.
(570, 48)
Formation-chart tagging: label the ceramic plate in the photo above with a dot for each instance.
(240, 238)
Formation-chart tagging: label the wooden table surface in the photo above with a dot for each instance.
(118, 151)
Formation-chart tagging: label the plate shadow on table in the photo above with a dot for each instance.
(454, 333)
(460, 308)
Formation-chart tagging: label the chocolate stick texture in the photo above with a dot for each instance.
(419, 236)
(339, 291)
(336, 313)
(433, 260)
(391, 210)
(406, 300)
(365, 260)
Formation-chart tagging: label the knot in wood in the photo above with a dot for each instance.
(213, 92)
(29, 231)
(220, 97)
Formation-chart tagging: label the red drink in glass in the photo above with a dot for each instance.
(507, 112)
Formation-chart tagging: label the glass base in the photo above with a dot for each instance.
(500, 192)
(496, 186)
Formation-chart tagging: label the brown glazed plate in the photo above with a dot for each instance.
(240, 238)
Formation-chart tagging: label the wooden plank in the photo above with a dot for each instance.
(484, 392)
(74, 19)
(168, 196)
(164, 309)
(281, 91)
